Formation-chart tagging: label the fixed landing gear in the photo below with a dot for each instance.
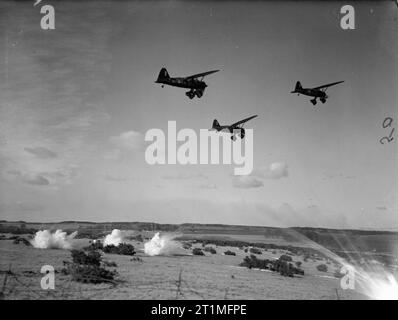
(242, 133)
(192, 93)
(323, 100)
(313, 101)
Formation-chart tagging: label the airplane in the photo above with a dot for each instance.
(235, 126)
(318, 92)
(196, 85)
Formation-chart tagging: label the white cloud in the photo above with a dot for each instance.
(247, 182)
(184, 176)
(35, 179)
(129, 140)
(276, 170)
(41, 152)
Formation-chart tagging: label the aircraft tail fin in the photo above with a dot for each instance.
(298, 86)
(163, 75)
(216, 125)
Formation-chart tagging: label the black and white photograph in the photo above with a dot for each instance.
(198, 151)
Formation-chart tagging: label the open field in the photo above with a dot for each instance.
(181, 275)
(202, 277)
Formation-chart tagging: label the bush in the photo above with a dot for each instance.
(281, 266)
(322, 267)
(197, 252)
(255, 251)
(97, 245)
(110, 264)
(211, 250)
(88, 273)
(187, 246)
(86, 267)
(136, 259)
(123, 249)
(229, 253)
(23, 240)
(337, 274)
(92, 257)
(285, 257)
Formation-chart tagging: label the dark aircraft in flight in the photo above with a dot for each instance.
(235, 126)
(196, 85)
(318, 92)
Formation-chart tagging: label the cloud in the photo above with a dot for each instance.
(247, 182)
(184, 176)
(41, 152)
(129, 140)
(35, 179)
(276, 170)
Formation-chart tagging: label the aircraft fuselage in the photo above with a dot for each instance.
(184, 83)
(311, 93)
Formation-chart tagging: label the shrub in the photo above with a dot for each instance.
(229, 253)
(110, 264)
(92, 257)
(89, 273)
(337, 274)
(285, 257)
(197, 252)
(87, 267)
(255, 251)
(187, 246)
(97, 245)
(136, 259)
(211, 250)
(23, 240)
(123, 249)
(322, 267)
(281, 266)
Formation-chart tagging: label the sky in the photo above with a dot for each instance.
(76, 102)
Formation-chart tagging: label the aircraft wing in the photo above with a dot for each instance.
(328, 85)
(199, 75)
(242, 121)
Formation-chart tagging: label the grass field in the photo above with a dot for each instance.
(183, 276)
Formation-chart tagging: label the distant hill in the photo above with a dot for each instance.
(333, 239)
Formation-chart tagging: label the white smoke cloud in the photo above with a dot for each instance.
(115, 238)
(44, 239)
(162, 245)
(247, 182)
(276, 170)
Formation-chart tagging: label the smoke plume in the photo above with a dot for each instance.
(114, 238)
(161, 245)
(44, 239)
